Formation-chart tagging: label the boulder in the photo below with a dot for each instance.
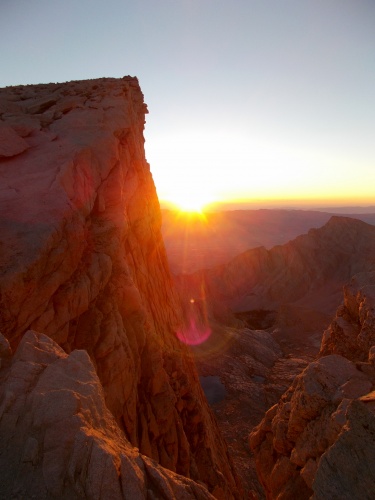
(61, 441)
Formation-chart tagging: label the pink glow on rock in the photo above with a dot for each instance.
(194, 334)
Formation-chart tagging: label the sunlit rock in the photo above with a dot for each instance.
(82, 260)
(61, 441)
(318, 441)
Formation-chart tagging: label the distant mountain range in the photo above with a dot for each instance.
(196, 242)
(308, 271)
(291, 291)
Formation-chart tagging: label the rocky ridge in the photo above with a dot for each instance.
(243, 373)
(317, 442)
(82, 260)
(59, 440)
(196, 241)
(352, 333)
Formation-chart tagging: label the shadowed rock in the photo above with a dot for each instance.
(11, 144)
(318, 441)
(82, 260)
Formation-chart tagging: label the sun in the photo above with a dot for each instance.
(190, 201)
(191, 205)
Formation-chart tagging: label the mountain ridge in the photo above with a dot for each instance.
(198, 241)
(324, 258)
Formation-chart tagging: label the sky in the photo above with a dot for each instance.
(270, 102)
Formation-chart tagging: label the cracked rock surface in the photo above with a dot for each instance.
(82, 260)
(59, 440)
(318, 441)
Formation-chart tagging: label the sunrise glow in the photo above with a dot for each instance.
(189, 205)
(200, 166)
(187, 197)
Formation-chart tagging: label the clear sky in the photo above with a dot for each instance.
(248, 99)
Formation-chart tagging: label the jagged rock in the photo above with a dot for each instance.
(316, 441)
(235, 368)
(59, 440)
(40, 105)
(82, 260)
(305, 423)
(352, 333)
(346, 470)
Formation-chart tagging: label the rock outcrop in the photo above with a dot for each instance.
(352, 332)
(59, 440)
(82, 260)
(318, 441)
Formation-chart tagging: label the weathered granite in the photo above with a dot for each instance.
(318, 441)
(82, 260)
(59, 440)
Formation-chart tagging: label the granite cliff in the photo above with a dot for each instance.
(318, 441)
(82, 261)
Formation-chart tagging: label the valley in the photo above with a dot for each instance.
(255, 354)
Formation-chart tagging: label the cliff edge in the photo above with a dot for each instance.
(82, 260)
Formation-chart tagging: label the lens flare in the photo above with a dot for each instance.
(194, 334)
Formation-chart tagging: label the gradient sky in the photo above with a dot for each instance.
(248, 99)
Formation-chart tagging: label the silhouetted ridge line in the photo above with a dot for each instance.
(310, 267)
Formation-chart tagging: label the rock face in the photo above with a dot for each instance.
(352, 332)
(82, 261)
(318, 441)
(59, 440)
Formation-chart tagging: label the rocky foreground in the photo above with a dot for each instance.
(318, 441)
(82, 261)
(291, 291)
(59, 440)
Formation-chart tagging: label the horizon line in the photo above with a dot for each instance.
(317, 205)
